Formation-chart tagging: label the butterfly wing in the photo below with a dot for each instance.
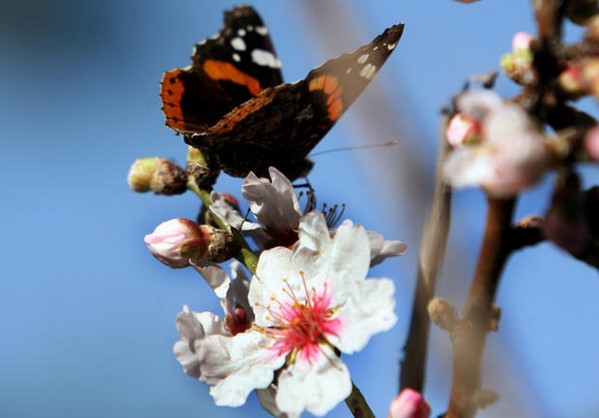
(281, 125)
(229, 68)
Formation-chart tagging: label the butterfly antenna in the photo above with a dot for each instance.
(359, 147)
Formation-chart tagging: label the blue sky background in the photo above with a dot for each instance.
(87, 315)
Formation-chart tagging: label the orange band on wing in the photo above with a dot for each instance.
(330, 86)
(221, 70)
(171, 93)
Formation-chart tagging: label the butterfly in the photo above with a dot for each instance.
(233, 106)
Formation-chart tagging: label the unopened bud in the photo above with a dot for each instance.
(409, 404)
(571, 81)
(590, 76)
(484, 398)
(592, 33)
(201, 168)
(177, 241)
(518, 64)
(158, 175)
(591, 143)
(463, 130)
(443, 313)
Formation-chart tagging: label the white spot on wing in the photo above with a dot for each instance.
(241, 32)
(391, 46)
(368, 71)
(348, 70)
(362, 58)
(236, 57)
(238, 44)
(265, 58)
(262, 30)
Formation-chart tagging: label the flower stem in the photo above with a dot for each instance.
(357, 404)
(479, 315)
(430, 260)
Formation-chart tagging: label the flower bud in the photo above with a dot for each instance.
(571, 81)
(158, 175)
(201, 169)
(518, 64)
(177, 241)
(591, 143)
(409, 404)
(463, 130)
(443, 313)
(592, 33)
(590, 76)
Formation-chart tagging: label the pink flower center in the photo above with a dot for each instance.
(301, 324)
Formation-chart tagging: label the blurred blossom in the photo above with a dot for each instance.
(511, 155)
(409, 404)
(302, 307)
(176, 241)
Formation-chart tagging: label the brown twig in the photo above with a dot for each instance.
(479, 313)
(432, 251)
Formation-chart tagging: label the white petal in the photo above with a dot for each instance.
(316, 387)
(381, 249)
(237, 295)
(368, 310)
(214, 275)
(269, 403)
(348, 259)
(273, 203)
(193, 327)
(238, 365)
(225, 211)
(274, 266)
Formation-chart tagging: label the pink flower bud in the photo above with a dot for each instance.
(409, 404)
(518, 64)
(591, 143)
(521, 41)
(462, 130)
(571, 81)
(177, 241)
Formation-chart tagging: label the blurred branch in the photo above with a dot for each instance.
(480, 314)
(432, 252)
